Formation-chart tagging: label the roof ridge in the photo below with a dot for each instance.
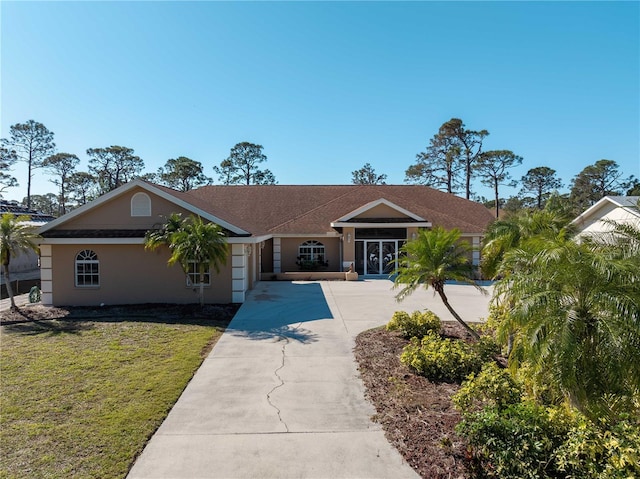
(332, 200)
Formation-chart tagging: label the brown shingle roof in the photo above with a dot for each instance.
(310, 209)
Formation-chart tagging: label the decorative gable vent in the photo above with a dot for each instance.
(140, 205)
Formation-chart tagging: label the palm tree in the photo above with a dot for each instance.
(575, 308)
(191, 241)
(16, 237)
(162, 236)
(507, 234)
(434, 257)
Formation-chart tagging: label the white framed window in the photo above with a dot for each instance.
(312, 251)
(87, 269)
(193, 277)
(140, 205)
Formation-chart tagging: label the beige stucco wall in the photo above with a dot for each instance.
(130, 275)
(381, 211)
(289, 252)
(348, 245)
(116, 214)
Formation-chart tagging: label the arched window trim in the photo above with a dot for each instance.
(312, 251)
(140, 204)
(87, 269)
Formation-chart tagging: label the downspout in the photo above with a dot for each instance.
(341, 253)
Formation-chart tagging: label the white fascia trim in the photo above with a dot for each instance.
(599, 204)
(373, 204)
(145, 186)
(421, 224)
(91, 241)
(307, 235)
(592, 209)
(42, 241)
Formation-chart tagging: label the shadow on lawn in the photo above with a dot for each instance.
(74, 320)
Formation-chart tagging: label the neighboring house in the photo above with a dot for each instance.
(621, 209)
(25, 261)
(95, 254)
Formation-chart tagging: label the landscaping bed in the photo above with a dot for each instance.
(417, 415)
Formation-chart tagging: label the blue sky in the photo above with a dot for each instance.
(325, 87)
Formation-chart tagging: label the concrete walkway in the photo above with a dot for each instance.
(279, 395)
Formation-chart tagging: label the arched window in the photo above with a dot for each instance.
(312, 251)
(87, 269)
(140, 205)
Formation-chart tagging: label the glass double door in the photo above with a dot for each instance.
(375, 257)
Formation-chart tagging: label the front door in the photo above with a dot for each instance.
(376, 256)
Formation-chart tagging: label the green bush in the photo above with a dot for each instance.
(516, 442)
(601, 453)
(493, 387)
(416, 325)
(441, 359)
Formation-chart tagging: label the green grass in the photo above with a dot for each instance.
(80, 399)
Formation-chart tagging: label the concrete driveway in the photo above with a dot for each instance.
(279, 395)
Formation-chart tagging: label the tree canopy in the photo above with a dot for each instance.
(62, 165)
(541, 182)
(449, 159)
(32, 142)
(367, 176)
(595, 182)
(114, 166)
(183, 174)
(492, 168)
(241, 167)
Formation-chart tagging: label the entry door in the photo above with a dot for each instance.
(379, 256)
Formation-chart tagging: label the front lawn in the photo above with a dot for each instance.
(80, 397)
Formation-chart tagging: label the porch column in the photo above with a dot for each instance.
(46, 275)
(476, 250)
(239, 273)
(276, 256)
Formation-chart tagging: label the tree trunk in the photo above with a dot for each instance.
(444, 299)
(497, 199)
(9, 289)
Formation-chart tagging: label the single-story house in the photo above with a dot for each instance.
(95, 254)
(597, 218)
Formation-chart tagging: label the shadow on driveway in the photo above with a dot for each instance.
(277, 311)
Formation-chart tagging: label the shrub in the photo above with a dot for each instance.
(493, 387)
(441, 359)
(516, 442)
(601, 453)
(418, 324)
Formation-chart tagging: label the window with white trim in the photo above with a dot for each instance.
(312, 251)
(193, 276)
(140, 205)
(87, 269)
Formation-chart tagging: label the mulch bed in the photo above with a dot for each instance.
(417, 415)
(151, 312)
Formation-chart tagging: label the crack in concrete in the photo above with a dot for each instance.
(279, 385)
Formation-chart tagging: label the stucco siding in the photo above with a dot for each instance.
(289, 252)
(130, 275)
(116, 214)
(381, 211)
